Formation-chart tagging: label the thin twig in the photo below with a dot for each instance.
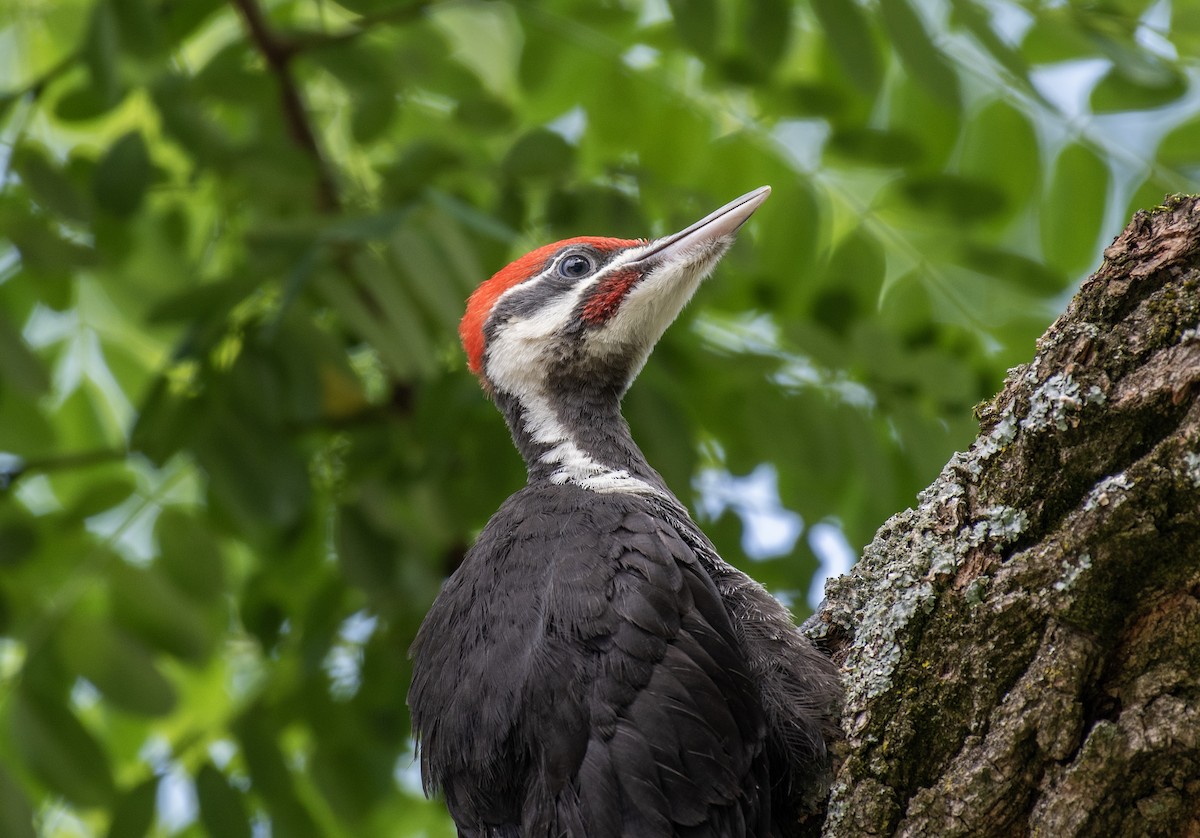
(17, 467)
(278, 53)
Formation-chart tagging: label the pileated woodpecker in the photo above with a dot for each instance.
(594, 668)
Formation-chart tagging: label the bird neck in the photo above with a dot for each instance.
(575, 434)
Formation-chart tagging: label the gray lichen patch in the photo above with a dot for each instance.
(976, 592)
(894, 582)
(1110, 491)
(999, 524)
(1001, 435)
(1053, 403)
(946, 490)
(911, 561)
(1191, 465)
(1072, 571)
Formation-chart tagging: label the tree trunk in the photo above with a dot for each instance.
(1022, 650)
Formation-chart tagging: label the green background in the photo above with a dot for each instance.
(239, 447)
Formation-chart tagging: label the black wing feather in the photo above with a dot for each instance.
(588, 681)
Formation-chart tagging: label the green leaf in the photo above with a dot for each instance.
(221, 808)
(878, 147)
(368, 7)
(857, 263)
(101, 55)
(696, 21)
(49, 185)
(118, 665)
(372, 116)
(83, 421)
(422, 162)
(594, 208)
(416, 249)
(7, 101)
(1185, 26)
(165, 422)
(1178, 152)
(382, 311)
(977, 23)
(917, 114)
(351, 777)
(180, 19)
(101, 496)
(82, 103)
(539, 153)
(44, 251)
(150, 607)
(228, 76)
(18, 538)
(1000, 147)
(1120, 91)
(920, 56)
(18, 365)
(484, 112)
(189, 554)
(1015, 268)
(954, 198)
(849, 33)
(189, 124)
(362, 228)
(139, 27)
(255, 473)
(210, 300)
(1073, 210)
(271, 777)
(16, 815)
(367, 556)
(807, 99)
(1148, 195)
(60, 750)
(122, 175)
(657, 421)
(134, 813)
(768, 30)
(1056, 36)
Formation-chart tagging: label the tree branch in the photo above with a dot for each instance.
(278, 54)
(13, 468)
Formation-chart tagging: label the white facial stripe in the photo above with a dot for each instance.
(514, 365)
(573, 464)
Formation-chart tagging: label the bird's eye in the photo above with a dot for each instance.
(575, 266)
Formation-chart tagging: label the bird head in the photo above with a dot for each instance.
(585, 312)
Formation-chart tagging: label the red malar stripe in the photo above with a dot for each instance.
(608, 296)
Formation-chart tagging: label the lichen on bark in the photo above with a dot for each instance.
(1022, 649)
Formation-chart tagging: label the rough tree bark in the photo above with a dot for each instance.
(1022, 649)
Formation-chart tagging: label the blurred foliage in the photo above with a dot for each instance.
(240, 448)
